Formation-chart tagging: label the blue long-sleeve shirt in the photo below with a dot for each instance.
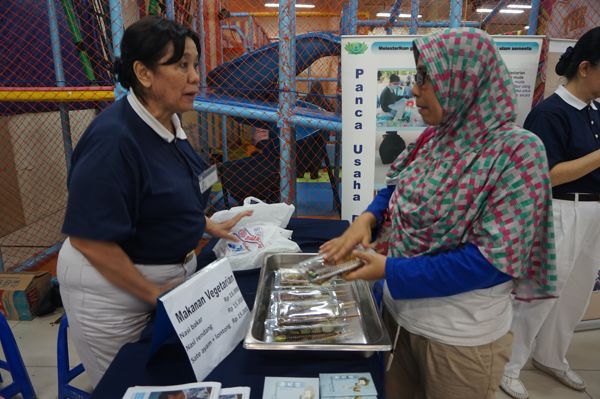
(426, 276)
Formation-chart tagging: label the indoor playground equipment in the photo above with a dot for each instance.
(57, 75)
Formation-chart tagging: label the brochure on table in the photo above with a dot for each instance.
(347, 385)
(368, 63)
(291, 388)
(196, 390)
(209, 315)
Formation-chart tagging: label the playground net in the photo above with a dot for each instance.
(274, 133)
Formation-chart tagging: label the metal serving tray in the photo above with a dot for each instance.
(366, 331)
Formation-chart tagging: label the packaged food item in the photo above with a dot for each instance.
(318, 271)
(320, 293)
(317, 332)
(306, 312)
(290, 277)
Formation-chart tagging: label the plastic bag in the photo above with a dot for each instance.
(255, 242)
(259, 234)
(272, 214)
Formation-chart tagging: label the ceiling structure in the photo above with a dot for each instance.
(432, 10)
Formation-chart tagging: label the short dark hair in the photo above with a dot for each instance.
(587, 48)
(147, 41)
(394, 78)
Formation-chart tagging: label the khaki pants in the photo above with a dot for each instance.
(424, 369)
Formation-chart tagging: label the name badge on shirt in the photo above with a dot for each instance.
(208, 178)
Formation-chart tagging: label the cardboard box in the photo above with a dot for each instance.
(22, 293)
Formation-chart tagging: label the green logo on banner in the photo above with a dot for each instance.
(356, 47)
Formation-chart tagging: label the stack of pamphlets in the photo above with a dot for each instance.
(196, 390)
(291, 388)
(347, 386)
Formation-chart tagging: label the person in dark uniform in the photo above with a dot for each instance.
(137, 194)
(568, 122)
(388, 95)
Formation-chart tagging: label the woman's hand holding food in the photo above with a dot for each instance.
(373, 268)
(358, 233)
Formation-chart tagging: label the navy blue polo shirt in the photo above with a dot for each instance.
(570, 129)
(131, 186)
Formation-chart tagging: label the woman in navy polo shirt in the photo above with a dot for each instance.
(137, 194)
(568, 122)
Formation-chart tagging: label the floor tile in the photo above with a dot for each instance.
(37, 340)
(44, 381)
(584, 352)
(592, 380)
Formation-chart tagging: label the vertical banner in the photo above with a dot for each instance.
(379, 113)
(377, 77)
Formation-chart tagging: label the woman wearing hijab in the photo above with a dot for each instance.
(568, 122)
(469, 210)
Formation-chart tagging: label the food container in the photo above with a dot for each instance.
(351, 321)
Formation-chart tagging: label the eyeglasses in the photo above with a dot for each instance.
(421, 76)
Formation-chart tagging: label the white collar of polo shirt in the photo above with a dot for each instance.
(572, 100)
(151, 121)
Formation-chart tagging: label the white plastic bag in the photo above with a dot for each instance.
(259, 234)
(275, 214)
(255, 242)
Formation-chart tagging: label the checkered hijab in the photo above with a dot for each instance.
(479, 179)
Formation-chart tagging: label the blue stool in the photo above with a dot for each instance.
(65, 373)
(14, 364)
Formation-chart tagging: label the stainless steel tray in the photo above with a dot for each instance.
(367, 331)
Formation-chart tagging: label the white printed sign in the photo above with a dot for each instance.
(209, 316)
(377, 103)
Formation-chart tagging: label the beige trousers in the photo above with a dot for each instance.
(420, 368)
(103, 317)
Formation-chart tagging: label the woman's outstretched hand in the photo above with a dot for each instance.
(359, 232)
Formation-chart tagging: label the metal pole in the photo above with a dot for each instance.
(34, 260)
(414, 16)
(202, 116)
(170, 9)
(345, 20)
(287, 99)
(59, 74)
(425, 24)
(455, 13)
(250, 38)
(353, 16)
(533, 17)
(393, 15)
(116, 27)
(240, 111)
(494, 12)
(224, 137)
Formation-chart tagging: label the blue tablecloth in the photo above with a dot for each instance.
(170, 366)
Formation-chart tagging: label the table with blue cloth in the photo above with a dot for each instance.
(134, 365)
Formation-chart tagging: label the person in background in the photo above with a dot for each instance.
(389, 94)
(137, 194)
(568, 122)
(468, 211)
